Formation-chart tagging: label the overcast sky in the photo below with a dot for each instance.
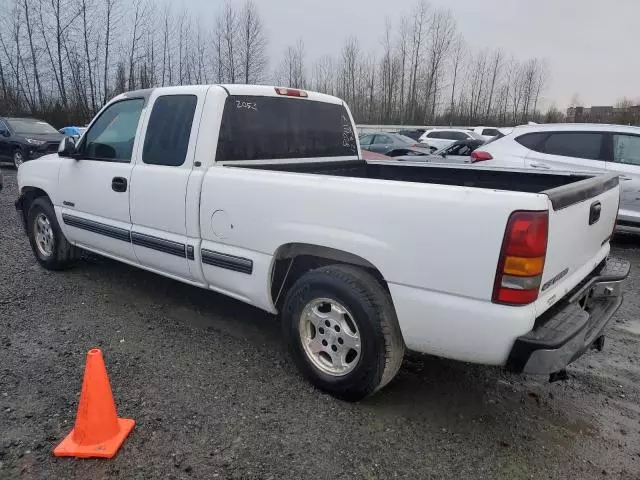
(591, 45)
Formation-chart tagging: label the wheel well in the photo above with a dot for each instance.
(28, 195)
(293, 260)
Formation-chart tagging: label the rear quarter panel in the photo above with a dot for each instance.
(435, 237)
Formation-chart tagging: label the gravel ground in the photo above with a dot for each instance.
(213, 395)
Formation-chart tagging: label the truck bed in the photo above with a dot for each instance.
(461, 175)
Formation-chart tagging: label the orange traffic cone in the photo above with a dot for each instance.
(98, 431)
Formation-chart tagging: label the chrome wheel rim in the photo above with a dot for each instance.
(17, 159)
(44, 235)
(330, 337)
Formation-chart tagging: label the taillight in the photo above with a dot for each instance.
(522, 258)
(480, 156)
(291, 92)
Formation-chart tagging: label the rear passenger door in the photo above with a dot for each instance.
(159, 182)
(571, 151)
(626, 162)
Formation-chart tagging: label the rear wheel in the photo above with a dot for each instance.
(18, 157)
(49, 245)
(342, 332)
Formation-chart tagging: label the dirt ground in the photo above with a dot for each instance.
(214, 396)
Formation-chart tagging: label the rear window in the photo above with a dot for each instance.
(490, 132)
(265, 128)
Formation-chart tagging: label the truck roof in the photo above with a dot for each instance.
(236, 89)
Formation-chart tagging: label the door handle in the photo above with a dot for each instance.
(540, 165)
(119, 184)
(624, 177)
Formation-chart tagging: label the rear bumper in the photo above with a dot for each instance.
(563, 335)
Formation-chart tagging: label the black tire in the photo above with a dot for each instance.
(382, 347)
(17, 157)
(63, 254)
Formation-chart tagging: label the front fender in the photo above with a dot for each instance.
(42, 174)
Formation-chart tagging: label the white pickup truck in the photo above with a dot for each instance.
(260, 193)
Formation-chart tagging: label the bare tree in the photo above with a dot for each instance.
(253, 45)
(110, 7)
(140, 11)
(459, 51)
(403, 52)
(441, 35)
(420, 27)
(230, 42)
(496, 63)
(350, 54)
(324, 75)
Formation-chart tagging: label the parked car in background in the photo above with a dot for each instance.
(409, 152)
(458, 152)
(415, 133)
(438, 138)
(487, 132)
(23, 139)
(75, 132)
(575, 148)
(386, 142)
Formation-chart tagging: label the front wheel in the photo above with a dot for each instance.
(51, 248)
(18, 157)
(341, 329)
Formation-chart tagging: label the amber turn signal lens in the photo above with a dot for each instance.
(523, 267)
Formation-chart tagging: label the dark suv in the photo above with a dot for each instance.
(23, 139)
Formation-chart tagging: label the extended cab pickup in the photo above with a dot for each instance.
(260, 193)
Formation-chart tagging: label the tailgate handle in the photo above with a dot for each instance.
(594, 212)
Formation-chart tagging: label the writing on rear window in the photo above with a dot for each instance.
(274, 128)
(247, 105)
(348, 138)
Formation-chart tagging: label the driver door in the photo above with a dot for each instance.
(95, 185)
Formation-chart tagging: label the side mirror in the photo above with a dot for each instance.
(67, 147)
(5, 133)
(443, 155)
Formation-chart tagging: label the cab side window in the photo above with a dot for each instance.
(169, 130)
(112, 135)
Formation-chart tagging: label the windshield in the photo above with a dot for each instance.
(30, 127)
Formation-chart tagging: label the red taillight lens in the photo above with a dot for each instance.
(291, 92)
(521, 262)
(526, 234)
(480, 156)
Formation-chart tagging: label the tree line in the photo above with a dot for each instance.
(61, 60)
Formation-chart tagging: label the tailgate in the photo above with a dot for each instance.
(581, 220)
